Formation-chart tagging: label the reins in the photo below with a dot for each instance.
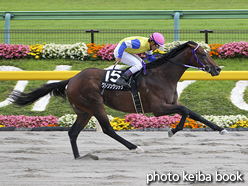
(203, 68)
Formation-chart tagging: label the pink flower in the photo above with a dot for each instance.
(107, 52)
(139, 121)
(28, 121)
(8, 51)
(233, 49)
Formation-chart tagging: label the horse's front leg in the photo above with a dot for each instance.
(171, 109)
(213, 126)
(184, 112)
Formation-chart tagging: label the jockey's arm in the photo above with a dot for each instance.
(149, 56)
(135, 44)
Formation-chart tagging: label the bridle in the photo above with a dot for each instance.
(205, 68)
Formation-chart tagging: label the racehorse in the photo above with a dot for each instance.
(158, 92)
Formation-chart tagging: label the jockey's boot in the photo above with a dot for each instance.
(123, 79)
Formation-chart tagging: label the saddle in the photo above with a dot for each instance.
(109, 83)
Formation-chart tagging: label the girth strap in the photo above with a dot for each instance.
(136, 98)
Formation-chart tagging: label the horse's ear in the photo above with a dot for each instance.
(192, 46)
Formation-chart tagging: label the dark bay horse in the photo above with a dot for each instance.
(158, 91)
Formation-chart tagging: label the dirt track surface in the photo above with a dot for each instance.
(45, 158)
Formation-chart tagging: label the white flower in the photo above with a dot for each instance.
(69, 119)
(74, 51)
(169, 46)
(225, 121)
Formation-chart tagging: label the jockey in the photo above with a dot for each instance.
(127, 49)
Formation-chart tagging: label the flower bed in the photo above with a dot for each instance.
(139, 121)
(13, 51)
(69, 119)
(233, 50)
(79, 51)
(91, 51)
(169, 46)
(130, 122)
(35, 51)
(107, 52)
(120, 124)
(28, 121)
(214, 49)
(75, 51)
(225, 121)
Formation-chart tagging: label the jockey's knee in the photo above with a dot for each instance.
(136, 68)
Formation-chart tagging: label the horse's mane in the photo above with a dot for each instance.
(173, 52)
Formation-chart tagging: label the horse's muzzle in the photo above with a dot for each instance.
(213, 70)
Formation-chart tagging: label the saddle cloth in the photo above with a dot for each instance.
(111, 76)
(109, 82)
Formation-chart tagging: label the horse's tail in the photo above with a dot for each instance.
(23, 99)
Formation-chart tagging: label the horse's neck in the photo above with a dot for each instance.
(172, 71)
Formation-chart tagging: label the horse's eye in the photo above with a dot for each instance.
(202, 54)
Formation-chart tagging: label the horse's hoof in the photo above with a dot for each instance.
(88, 156)
(223, 132)
(139, 150)
(170, 133)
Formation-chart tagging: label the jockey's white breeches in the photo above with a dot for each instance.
(130, 59)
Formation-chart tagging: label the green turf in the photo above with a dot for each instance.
(79, 5)
(48, 5)
(203, 97)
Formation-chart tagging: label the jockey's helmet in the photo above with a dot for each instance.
(158, 38)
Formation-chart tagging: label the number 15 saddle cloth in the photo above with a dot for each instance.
(109, 83)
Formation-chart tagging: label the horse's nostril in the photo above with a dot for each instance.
(218, 69)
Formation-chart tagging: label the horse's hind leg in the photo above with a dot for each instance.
(82, 120)
(213, 126)
(101, 116)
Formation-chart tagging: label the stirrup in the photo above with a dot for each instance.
(121, 81)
